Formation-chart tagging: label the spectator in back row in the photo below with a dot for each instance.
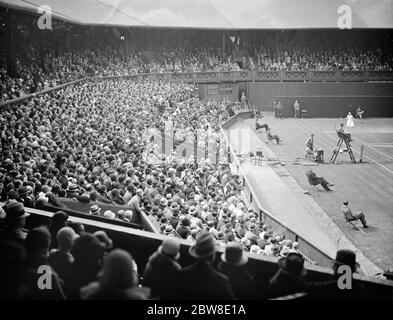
(37, 250)
(61, 259)
(14, 222)
(118, 280)
(200, 280)
(88, 252)
(162, 268)
(234, 266)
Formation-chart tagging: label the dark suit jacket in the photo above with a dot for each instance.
(329, 290)
(284, 283)
(243, 284)
(201, 282)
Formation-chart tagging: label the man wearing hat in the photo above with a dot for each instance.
(72, 191)
(174, 220)
(162, 269)
(233, 264)
(95, 210)
(330, 290)
(289, 278)
(200, 280)
(14, 222)
(25, 196)
(136, 201)
(183, 228)
(350, 216)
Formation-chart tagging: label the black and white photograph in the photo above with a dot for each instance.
(199, 154)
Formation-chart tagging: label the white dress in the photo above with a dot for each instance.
(350, 122)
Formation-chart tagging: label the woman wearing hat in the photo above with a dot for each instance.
(233, 264)
(118, 280)
(162, 269)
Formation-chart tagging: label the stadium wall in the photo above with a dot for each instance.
(219, 91)
(324, 99)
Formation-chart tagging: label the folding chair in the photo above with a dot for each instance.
(258, 157)
(354, 225)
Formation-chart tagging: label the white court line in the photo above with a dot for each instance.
(367, 145)
(381, 165)
(362, 132)
(381, 145)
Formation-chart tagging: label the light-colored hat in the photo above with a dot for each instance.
(170, 247)
(109, 214)
(95, 210)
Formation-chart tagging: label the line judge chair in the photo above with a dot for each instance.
(354, 225)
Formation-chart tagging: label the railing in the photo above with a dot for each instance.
(241, 76)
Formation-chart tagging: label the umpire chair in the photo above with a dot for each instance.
(342, 139)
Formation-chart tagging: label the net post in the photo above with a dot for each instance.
(361, 153)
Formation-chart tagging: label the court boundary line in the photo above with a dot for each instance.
(381, 165)
(373, 148)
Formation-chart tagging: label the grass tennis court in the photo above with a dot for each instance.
(368, 186)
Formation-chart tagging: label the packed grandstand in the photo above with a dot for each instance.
(93, 143)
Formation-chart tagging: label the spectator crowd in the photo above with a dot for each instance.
(72, 52)
(93, 143)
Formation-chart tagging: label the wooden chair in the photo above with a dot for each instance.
(353, 223)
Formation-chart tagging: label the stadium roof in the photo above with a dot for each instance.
(221, 14)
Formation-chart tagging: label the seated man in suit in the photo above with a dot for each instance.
(259, 125)
(271, 137)
(314, 180)
(350, 216)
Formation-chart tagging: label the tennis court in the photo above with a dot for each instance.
(368, 186)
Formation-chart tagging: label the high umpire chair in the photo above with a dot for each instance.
(342, 139)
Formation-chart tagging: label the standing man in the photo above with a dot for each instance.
(243, 100)
(280, 109)
(275, 109)
(296, 107)
(136, 201)
(350, 216)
